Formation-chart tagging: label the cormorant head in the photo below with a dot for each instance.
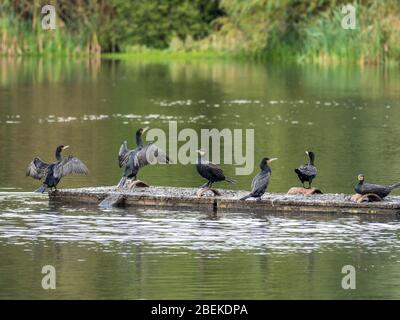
(360, 177)
(202, 153)
(266, 161)
(140, 131)
(61, 148)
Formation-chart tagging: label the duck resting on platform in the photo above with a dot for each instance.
(132, 160)
(53, 172)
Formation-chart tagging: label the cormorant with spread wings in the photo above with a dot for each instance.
(142, 155)
(53, 172)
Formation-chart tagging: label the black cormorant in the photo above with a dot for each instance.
(143, 154)
(261, 180)
(53, 172)
(209, 171)
(308, 171)
(364, 188)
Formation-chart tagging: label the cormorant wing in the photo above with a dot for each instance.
(123, 155)
(260, 181)
(37, 169)
(375, 188)
(308, 170)
(68, 166)
(214, 168)
(151, 154)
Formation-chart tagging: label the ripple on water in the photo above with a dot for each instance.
(27, 218)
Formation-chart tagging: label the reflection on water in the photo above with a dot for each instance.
(347, 115)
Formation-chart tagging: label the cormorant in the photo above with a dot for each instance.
(261, 180)
(308, 171)
(53, 172)
(209, 171)
(143, 154)
(364, 188)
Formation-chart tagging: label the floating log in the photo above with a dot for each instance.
(227, 201)
(305, 191)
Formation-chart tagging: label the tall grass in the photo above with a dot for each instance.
(27, 37)
(302, 37)
(376, 39)
(326, 42)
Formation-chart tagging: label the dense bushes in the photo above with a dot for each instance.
(115, 24)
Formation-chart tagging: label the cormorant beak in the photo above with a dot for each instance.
(145, 129)
(65, 147)
(272, 159)
(307, 153)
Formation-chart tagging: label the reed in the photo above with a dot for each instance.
(284, 31)
(25, 37)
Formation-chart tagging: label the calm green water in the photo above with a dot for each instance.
(348, 116)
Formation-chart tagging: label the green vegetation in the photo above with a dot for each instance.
(286, 30)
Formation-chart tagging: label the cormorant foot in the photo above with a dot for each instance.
(207, 185)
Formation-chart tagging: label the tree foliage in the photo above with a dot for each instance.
(117, 23)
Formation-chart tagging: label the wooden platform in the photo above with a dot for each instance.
(228, 201)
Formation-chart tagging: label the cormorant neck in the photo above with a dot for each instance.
(199, 158)
(58, 155)
(311, 160)
(265, 167)
(139, 141)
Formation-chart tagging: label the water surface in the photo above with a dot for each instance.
(347, 115)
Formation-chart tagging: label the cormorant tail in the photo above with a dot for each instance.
(122, 182)
(41, 189)
(246, 197)
(230, 180)
(394, 186)
(297, 171)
